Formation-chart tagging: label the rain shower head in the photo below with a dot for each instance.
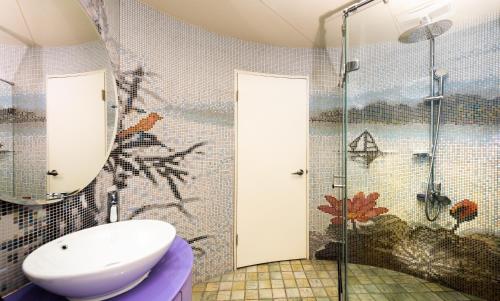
(425, 31)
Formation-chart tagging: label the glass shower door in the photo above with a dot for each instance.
(375, 99)
(344, 247)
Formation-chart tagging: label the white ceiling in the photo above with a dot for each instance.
(298, 23)
(44, 23)
(289, 23)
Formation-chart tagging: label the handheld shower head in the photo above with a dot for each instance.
(440, 74)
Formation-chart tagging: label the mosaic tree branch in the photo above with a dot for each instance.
(132, 87)
(179, 205)
(199, 252)
(124, 164)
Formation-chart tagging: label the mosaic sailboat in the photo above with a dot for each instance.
(364, 149)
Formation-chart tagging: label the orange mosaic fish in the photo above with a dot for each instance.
(144, 125)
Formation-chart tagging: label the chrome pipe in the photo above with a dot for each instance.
(435, 122)
(432, 94)
(357, 5)
(441, 86)
(343, 57)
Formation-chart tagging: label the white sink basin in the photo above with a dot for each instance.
(100, 262)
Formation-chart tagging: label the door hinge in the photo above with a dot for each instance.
(237, 95)
(236, 239)
(103, 95)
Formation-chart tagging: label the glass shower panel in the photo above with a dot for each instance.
(326, 174)
(422, 130)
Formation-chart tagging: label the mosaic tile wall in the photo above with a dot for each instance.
(194, 138)
(191, 86)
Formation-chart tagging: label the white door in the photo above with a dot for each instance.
(76, 130)
(272, 141)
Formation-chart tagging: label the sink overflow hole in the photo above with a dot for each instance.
(64, 247)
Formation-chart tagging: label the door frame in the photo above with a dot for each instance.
(108, 146)
(235, 171)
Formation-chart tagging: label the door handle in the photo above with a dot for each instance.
(52, 173)
(298, 172)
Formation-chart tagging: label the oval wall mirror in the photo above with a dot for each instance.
(58, 101)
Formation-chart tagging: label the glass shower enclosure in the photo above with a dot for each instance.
(420, 163)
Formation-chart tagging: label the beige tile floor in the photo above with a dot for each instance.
(317, 280)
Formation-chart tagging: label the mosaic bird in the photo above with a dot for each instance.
(144, 125)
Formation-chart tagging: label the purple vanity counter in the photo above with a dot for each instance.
(169, 280)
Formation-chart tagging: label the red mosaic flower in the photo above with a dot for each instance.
(361, 208)
(334, 208)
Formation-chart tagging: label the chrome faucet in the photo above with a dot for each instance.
(113, 205)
